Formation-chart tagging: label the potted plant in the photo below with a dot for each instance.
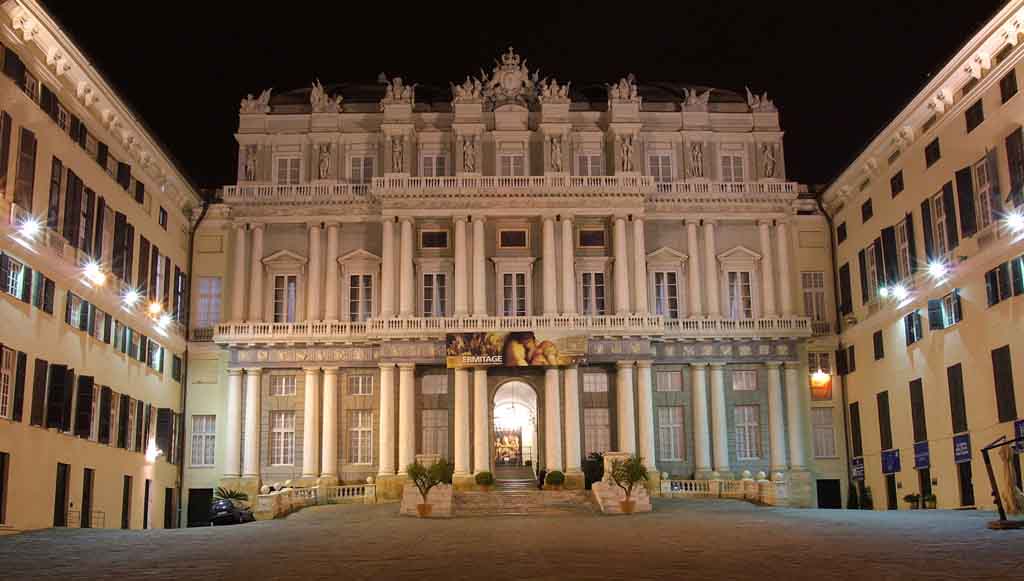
(425, 478)
(627, 474)
(554, 480)
(914, 500)
(230, 494)
(485, 480)
(929, 500)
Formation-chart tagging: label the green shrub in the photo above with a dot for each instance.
(447, 470)
(628, 473)
(484, 478)
(230, 494)
(426, 478)
(593, 469)
(555, 478)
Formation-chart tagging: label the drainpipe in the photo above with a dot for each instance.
(184, 358)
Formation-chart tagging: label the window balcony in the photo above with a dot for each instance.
(698, 188)
(407, 186)
(256, 193)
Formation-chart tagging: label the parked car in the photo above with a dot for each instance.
(229, 511)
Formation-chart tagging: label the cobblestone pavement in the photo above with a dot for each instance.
(681, 539)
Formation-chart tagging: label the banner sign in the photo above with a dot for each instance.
(890, 461)
(922, 456)
(962, 448)
(1018, 431)
(858, 468)
(514, 349)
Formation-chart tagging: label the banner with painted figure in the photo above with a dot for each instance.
(512, 349)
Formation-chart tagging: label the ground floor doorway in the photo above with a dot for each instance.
(830, 493)
(199, 501)
(60, 495)
(966, 478)
(515, 437)
(890, 492)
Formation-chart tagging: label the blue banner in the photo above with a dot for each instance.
(1018, 431)
(922, 456)
(890, 461)
(962, 448)
(858, 468)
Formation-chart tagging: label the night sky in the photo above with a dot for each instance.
(838, 74)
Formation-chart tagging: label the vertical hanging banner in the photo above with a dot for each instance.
(1018, 432)
(922, 456)
(962, 448)
(890, 461)
(515, 349)
(858, 468)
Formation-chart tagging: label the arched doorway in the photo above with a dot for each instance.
(514, 413)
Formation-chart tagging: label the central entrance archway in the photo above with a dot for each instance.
(515, 425)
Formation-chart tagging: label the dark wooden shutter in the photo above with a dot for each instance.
(958, 309)
(83, 410)
(101, 154)
(957, 404)
(108, 323)
(1017, 274)
(154, 268)
(992, 286)
(5, 146)
(167, 282)
(26, 284)
(890, 253)
(140, 192)
(965, 195)
(841, 367)
(935, 321)
(139, 417)
(916, 318)
(123, 411)
(862, 263)
(851, 359)
(38, 392)
(24, 182)
(75, 128)
(49, 289)
(917, 414)
(911, 242)
(949, 207)
(18, 399)
(117, 254)
(142, 280)
(14, 68)
(72, 208)
(164, 427)
(69, 395)
(89, 201)
(1002, 370)
(929, 232)
(884, 421)
(1015, 160)
(845, 294)
(1005, 284)
(97, 245)
(858, 447)
(147, 424)
(103, 432)
(129, 251)
(879, 344)
(5, 269)
(995, 189)
(124, 174)
(55, 396)
(37, 290)
(177, 306)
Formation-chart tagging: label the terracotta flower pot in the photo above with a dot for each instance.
(627, 506)
(485, 487)
(424, 510)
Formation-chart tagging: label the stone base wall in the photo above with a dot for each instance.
(439, 498)
(799, 490)
(575, 481)
(250, 486)
(389, 488)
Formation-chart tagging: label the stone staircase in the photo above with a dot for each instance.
(523, 502)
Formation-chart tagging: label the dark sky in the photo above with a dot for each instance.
(838, 72)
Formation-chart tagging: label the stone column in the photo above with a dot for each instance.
(233, 450)
(329, 456)
(331, 274)
(481, 436)
(461, 269)
(568, 267)
(406, 415)
(776, 424)
(311, 423)
(621, 267)
(711, 270)
(406, 286)
(387, 419)
(639, 268)
(701, 441)
(238, 281)
(550, 280)
(694, 304)
(462, 466)
(794, 407)
(645, 405)
(479, 269)
(552, 421)
(625, 409)
(573, 464)
(387, 266)
(251, 468)
(785, 277)
(256, 282)
(719, 423)
(767, 270)
(314, 274)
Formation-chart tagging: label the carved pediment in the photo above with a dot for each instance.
(739, 254)
(359, 255)
(285, 258)
(666, 255)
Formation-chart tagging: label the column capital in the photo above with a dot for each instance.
(254, 370)
(406, 366)
(313, 224)
(390, 366)
(311, 369)
(765, 222)
(391, 219)
(548, 217)
(256, 225)
(479, 218)
(566, 217)
(644, 363)
(710, 221)
(716, 364)
(772, 364)
(620, 216)
(625, 364)
(240, 224)
(460, 218)
(333, 370)
(410, 219)
(332, 224)
(700, 364)
(235, 371)
(792, 365)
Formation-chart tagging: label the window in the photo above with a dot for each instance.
(1002, 370)
(912, 327)
(917, 417)
(896, 183)
(884, 421)
(740, 304)
(666, 297)
(957, 403)
(286, 289)
(512, 164)
(597, 434)
(175, 367)
(361, 170)
(855, 434)
(433, 239)
(24, 181)
(879, 344)
(660, 167)
(744, 380)
(592, 290)
(513, 239)
(435, 432)
(841, 233)
(851, 358)
(282, 385)
(155, 356)
(823, 428)
(951, 312)
(845, 292)
(872, 272)
(591, 238)
(32, 87)
(434, 384)
(819, 360)
(669, 381)
(162, 217)
(514, 294)
(1005, 280)
(938, 225)
(435, 294)
(595, 383)
(974, 115)
(670, 433)
(433, 165)
(204, 434)
(208, 301)
(360, 432)
(814, 294)
(287, 170)
(589, 165)
(932, 152)
(904, 236)
(15, 277)
(748, 431)
(732, 166)
(360, 297)
(1008, 86)
(360, 385)
(866, 211)
(983, 193)
(7, 359)
(282, 438)
(100, 325)
(5, 460)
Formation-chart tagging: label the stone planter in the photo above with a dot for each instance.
(424, 510)
(627, 506)
(486, 487)
(553, 487)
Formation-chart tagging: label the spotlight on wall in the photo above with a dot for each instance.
(154, 308)
(899, 291)
(164, 320)
(30, 227)
(130, 297)
(937, 269)
(1015, 222)
(94, 274)
(884, 292)
(820, 378)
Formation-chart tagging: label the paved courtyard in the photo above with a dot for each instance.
(694, 539)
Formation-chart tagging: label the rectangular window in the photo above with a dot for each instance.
(592, 291)
(974, 115)
(669, 381)
(514, 294)
(748, 431)
(5, 459)
(597, 433)
(917, 417)
(741, 305)
(957, 403)
(896, 183)
(983, 193)
(867, 211)
(162, 217)
(155, 358)
(286, 291)
(513, 239)
(204, 435)
(670, 433)
(589, 165)
(1008, 86)
(433, 165)
(814, 295)
(282, 438)
(666, 297)
(360, 431)
(951, 311)
(282, 385)
(24, 182)
(360, 385)
(513, 164)
(841, 233)
(208, 301)
(732, 167)
(435, 294)
(434, 384)
(932, 153)
(433, 239)
(912, 327)
(659, 166)
(823, 428)
(845, 291)
(591, 238)
(851, 358)
(360, 297)
(361, 170)
(595, 383)
(858, 448)
(872, 272)
(288, 169)
(14, 284)
(879, 344)
(884, 421)
(435, 432)
(7, 368)
(1002, 370)
(819, 360)
(939, 210)
(744, 380)
(904, 240)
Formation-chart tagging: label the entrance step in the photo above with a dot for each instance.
(525, 502)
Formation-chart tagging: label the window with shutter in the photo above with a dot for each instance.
(845, 294)
(1002, 370)
(5, 144)
(917, 414)
(24, 182)
(932, 153)
(879, 345)
(896, 183)
(748, 431)
(670, 433)
(83, 407)
(103, 426)
(957, 403)
(884, 421)
(855, 435)
(1015, 161)
(823, 427)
